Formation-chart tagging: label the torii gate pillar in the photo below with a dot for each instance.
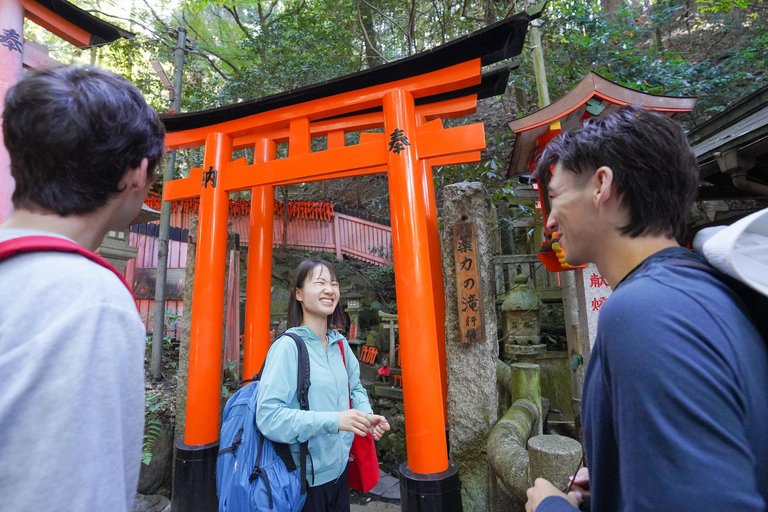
(196, 456)
(11, 61)
(259, 286)
(427, 470)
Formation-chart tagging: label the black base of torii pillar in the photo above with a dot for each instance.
(194, 479)
(433, 492)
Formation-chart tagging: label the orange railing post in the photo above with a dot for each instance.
(204, 382)
(258, 292)
(423, 395)
(337, 237)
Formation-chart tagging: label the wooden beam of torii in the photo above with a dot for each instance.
(406, 101)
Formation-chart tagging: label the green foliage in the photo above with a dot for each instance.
(724, 5)
(716, 50)
(153, 425)
(718, 53)
(382, 278)
(172, 318)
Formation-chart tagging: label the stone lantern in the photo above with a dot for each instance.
(520, 312)
(352, 300)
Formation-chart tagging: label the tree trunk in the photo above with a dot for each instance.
(489, 15)
(610, 7)
(372, 57)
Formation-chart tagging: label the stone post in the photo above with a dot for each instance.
(186, 326)
(526, 385)
(471, 367)
(555, 458)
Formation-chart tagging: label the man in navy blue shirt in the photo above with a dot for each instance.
(675, 401)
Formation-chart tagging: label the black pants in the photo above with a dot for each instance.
(330, 497)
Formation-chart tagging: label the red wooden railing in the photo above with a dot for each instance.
(147, 258)
(344, 235)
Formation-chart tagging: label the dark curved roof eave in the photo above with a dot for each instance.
(491, 44)
(102, 32)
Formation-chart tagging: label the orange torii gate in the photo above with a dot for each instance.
(407, 99)
(58, 17)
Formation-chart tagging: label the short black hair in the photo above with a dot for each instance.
(655, 172)
(72, 133)
(304, 272)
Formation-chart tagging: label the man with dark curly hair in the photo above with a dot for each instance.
(83, 145)
(675, 401)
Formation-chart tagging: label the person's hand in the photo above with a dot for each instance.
(379, 425)
(581, 484)
(544, 489)
(354, 421)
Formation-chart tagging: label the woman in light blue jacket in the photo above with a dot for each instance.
(330, 425)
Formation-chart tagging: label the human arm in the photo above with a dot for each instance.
(359, 396)
(545, 497)
(277, 410)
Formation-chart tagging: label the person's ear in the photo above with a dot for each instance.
(299, 295)
(603, 185)
(135, 178)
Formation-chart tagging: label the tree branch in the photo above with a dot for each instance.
(263, 17)
(233, 11)
(467, 16)
(412, 28)
(129, 20)
(198, 52)
(213, 64)
(405, 33)
(369, 44)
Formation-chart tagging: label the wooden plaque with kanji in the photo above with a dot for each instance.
(468, 284)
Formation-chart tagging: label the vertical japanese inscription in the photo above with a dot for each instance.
(397, 141)
(468, 283)
(11, 40)
(210, 176)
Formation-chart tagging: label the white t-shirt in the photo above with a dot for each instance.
(71, 385)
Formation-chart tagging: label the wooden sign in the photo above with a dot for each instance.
(468, 285)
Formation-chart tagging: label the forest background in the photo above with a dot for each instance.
(239, 50)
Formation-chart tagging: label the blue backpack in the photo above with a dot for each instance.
(252, 472)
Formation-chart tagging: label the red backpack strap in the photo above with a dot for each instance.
(349, 390)
(38, 243)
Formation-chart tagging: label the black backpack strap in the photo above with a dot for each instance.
(302, 390)
(258, 472)
(235, 443)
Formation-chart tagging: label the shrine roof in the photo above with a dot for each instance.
(100, 31)
(594, 96)
(491, 44)
(742, 122)
(741, 131)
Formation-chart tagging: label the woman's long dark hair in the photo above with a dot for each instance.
(303, 272)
